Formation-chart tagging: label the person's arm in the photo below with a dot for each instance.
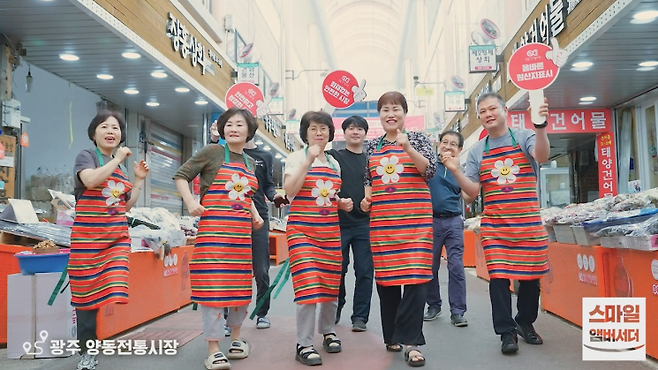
(467, 199)
(542, 148)
(469, 187)
(294, 180)
(189, 170)
(268, 186)
(256, 221)
(418, 158)
(366, 202)
(93, 177)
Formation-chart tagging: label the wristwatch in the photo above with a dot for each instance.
(543, 125)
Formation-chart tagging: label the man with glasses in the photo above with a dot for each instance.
(448, 230)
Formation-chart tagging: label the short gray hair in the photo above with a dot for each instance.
(488, 95)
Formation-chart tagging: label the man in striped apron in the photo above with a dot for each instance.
(505, 165)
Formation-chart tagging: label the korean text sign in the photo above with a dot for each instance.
(605, 145)
(567, 121)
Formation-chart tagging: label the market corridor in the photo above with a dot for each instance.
(448, 347)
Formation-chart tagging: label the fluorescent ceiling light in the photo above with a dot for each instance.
(69, 57)
(131, 91)
(278, 155)
(159, 74)
(583, 64)
(283, 160)
(267, 147)
(585, 103)
(645, 69)
(579, 69)
(588, 98)
(647, 14)
(182, 89)
(153, 104)
(258, 142)
(104, 76)
(200, 102)
(131, 55)
(650, 63)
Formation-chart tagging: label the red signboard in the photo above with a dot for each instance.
(375, 129)
(530, 69)
(244, 96)
(567, 121)
(605, 146)
(337, 89)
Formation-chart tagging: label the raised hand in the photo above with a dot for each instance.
(123, 153)
(313, 152)
(141, 169)
(195, 208)
(451, 163)
(358, 92)
(403, 140)
(557, 55)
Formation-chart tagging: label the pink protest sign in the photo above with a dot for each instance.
(337, 89)
(530, 69)
(244, 96)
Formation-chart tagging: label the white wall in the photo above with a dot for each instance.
(47, 106)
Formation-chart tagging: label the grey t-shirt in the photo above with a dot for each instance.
(524, 137)
(88, 159)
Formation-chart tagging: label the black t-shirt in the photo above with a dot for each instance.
(351, 169)
(263, 172)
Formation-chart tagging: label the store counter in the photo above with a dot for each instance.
(575, 272)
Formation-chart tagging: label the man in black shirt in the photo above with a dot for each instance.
(260, 243)
(355, 225)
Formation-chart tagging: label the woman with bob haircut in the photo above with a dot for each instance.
(220, 268)
(100, 243)
(399, 165)
(312, 179)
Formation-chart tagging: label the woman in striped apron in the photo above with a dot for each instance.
(220, 268)
(398, 198)
(98, 264)
(513, 238)
(312, 179)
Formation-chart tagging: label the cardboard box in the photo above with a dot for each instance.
(643, 243)
(32, 325)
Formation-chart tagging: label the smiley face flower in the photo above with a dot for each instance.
(237, 187)
(323, 192)
(112, 192)
(505, 171)
(390, 169)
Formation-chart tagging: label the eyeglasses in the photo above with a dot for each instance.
(451, 144)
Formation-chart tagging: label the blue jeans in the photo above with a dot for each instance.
(449, 232)
(358, 237)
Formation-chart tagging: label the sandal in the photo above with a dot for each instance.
(308, 356)
(416, 360)
(394, 347)
(217, 361)
(331, 343)
(239, 350)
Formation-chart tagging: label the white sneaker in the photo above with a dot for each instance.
(87, 362)
(263, 323)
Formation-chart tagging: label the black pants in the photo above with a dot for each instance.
(260, 253)
(86, 327)
(527, 304)
(358, 237)
(402, 313)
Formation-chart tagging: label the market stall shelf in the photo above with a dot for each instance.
(156, 287)
(575, 272)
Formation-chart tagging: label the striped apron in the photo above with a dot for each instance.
(100, 243)
(514, 240)
(314, 238)
(220, 268)
(400, 219)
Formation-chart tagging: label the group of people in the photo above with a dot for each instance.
(394, 205)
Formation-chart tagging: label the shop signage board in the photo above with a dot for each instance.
(607, 158)
(249, 72)
(571, 121)
(482, 58)
(454, 101)
(424, 91)
(341, 89)
(551, 22)
(375, 129)
(188, 45)
(245, 96)
(276, 106)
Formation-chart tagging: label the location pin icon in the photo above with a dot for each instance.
(27, 346)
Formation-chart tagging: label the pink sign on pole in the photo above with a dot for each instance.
(245, 96)
(341, 89)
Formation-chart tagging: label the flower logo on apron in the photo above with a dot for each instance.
(323, 193)
(112, 192)
(389, 170)
(505, 172)
(237, 187)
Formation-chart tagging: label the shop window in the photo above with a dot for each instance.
(650, 134)
(629, 151)
(643, 173)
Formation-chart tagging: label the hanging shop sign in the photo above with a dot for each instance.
(572, 121)
(482, 58)
(607, 158)
(454, 101)
(245, 96)
(550, 23)
(276, 106)
(249, 72)
(272, 125)
(341, 89)
(424, 91)
(188, 45)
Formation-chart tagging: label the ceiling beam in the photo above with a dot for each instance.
(409, 15)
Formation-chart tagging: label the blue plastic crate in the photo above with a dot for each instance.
(31, 263)
(595, 225)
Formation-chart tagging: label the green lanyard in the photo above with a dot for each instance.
(325, 156)
(226, 157)
(381, 140)
(486, 141)
(101, 162)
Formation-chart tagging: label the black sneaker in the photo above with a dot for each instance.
(432, 313)
(529, 334)
(510, 343)
(359, 325)
(458, 320)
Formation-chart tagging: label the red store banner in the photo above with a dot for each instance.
(572, 121)
(607, 158)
